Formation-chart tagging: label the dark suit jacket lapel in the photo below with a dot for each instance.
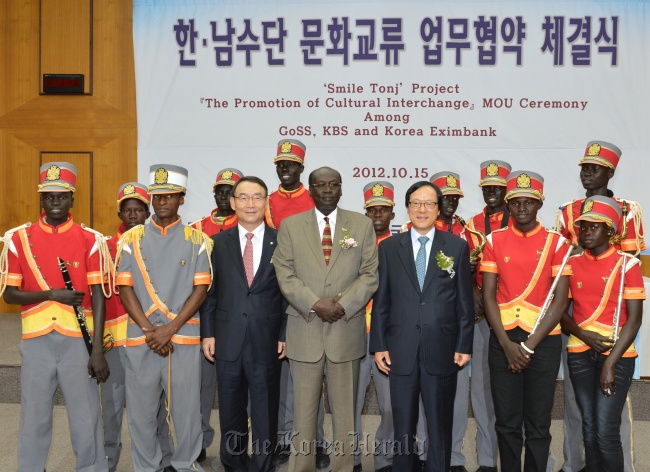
(268, 246)
(438, 244)
(405, 251)
(234, 249)
(337, 234)
(312, 235)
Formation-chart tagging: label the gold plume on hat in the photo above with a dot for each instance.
(523, 181)
(161, 176)
(226, 175)
(492, 169)
(129, 189)
(53, 173)
(286, 147)
(589, 204)
(452, 181)
(377, 190)
(594, 150)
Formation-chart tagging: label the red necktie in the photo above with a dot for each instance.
(327, 241)
(248, 259)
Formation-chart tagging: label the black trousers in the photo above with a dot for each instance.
(524, 400)
(235, 379)
(438, 394)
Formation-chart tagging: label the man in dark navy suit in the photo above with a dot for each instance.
(242, 326)
(422, 327)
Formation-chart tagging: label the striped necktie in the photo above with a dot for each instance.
(327, 241)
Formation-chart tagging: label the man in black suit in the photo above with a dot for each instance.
(422, 327)
(242, 326)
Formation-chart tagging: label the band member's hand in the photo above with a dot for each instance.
(158, 339)
(473, 264)
(479, 308)
(207, 346)
(608, 378)
(461, 359)
(97, 365)
(382, 359)
(281, 353)
(329, 309)
(67, 297)
(595, 341)
(517, 357)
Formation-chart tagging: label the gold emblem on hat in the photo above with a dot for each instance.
(161, 176)
(589, 204)
(227, 175)
(53, 173)
(286, 147)
(377, 190)
(594, 150)
(129, 189)
(492, 169)
(452, 181)
(523, 181)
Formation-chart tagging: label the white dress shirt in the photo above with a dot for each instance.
(257, 240)
(321, 222)
(416, 244)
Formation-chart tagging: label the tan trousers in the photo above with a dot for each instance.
(342, 386)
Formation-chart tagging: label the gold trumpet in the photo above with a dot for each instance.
(473, 256)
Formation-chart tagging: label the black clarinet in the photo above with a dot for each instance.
(81, 317)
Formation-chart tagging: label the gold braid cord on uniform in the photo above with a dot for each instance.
(135, 233)
(105, 261)
(201, 239)
(4, 256)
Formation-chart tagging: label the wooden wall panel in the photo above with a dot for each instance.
(66, 39)
(35, 126)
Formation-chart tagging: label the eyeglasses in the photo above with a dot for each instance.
(324, 185)
(243, 198)
(415, 205)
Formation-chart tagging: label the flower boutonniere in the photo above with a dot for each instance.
(446, 263)
(348, 241)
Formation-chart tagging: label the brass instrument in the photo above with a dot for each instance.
(481, 238)
(551, 292)
(619, 303)
(473, 256)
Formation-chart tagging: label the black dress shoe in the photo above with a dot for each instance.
(202, 456)
(357, 468)
(458, 468)
(322, 459)
(169, 468)
(485, 468)
(281, 455)
(388, 468)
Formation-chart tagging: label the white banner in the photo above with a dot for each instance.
(393, 91)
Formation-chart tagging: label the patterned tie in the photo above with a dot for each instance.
(421, 260)
(248, 259)
(327, 241)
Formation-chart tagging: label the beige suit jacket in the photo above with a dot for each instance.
(304, 279)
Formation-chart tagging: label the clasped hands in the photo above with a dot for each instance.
(158, 339)
(329, 309)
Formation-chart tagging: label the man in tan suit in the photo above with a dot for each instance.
(326, 264)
